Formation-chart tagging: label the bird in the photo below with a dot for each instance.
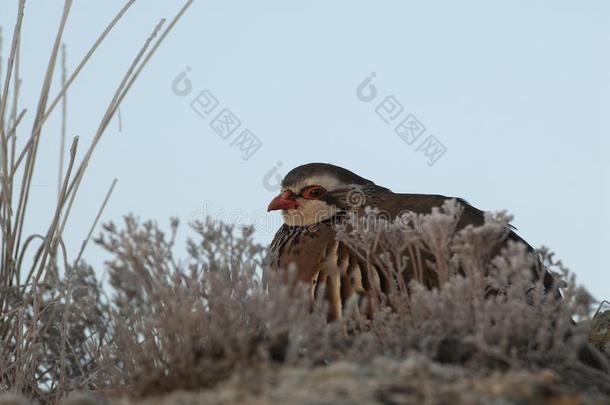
(314, 198)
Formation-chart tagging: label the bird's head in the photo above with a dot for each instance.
(315, 192)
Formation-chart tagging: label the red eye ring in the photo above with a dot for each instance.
(313, 192)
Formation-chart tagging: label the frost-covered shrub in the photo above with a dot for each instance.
(191, 323)
(169, 322)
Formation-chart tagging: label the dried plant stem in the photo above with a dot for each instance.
(1, 60)
(73, 76)
(31, 156)
(7, 183)
(64, 109)
(63, 340)
(95, 222)
(128, 80)
(5, 212)
(9, 68)
(154, 49)
(74, 185)
(29, 150)
(52, 234)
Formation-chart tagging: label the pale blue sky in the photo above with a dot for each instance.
(518, 92)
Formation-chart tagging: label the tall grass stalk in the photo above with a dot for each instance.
(36, 277)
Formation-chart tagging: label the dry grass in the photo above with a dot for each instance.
(49, 344)
(169, 321)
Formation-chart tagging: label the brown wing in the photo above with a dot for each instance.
(423, 204)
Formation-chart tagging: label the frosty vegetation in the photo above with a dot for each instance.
(190, 318)
(189, 321)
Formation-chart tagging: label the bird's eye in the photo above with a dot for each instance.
(313, 193)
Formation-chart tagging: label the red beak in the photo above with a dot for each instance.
(284, 201)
